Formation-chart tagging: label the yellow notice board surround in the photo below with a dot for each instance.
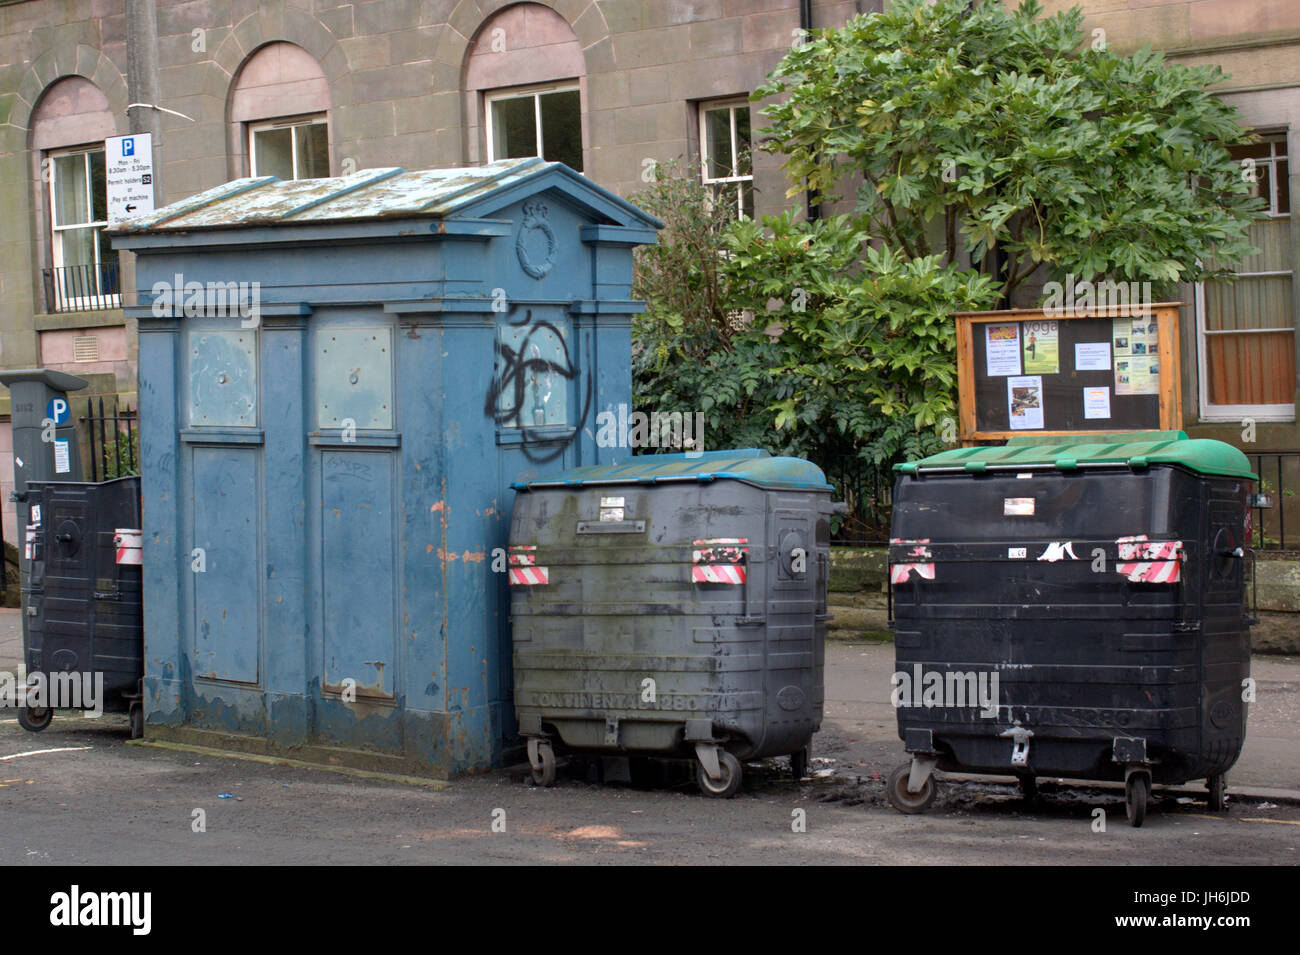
(1066, 371)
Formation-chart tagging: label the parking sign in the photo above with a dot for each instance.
(129, 175)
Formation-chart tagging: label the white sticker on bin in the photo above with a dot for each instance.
(1017, 507)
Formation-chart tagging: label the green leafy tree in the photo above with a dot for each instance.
(864, 336)
(697, 347)
(794, 336)
(985, 128)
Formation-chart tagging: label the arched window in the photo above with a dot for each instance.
(526, 70)
(279, 105)
(69, 126)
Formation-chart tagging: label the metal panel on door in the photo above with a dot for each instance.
(226, 566)
(358, 571)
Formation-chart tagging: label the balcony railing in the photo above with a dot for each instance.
(82, 288)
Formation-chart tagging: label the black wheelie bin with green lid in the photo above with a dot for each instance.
(1072, 608)
(674, 606)
(86, 623)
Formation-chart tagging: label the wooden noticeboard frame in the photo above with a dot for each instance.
(985, 413)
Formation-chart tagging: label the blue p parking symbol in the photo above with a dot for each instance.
(57, 410)
(128, 147)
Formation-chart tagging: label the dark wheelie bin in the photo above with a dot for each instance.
(672, 606)
(84, 600)
(1093, 588)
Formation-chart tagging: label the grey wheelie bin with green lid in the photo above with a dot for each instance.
(672, 606)
(1096, 585)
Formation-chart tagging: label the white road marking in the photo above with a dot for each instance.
(38, 752)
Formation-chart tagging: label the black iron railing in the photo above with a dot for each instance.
(82, 288)
(868, 490)
(114, 440)
(1277, 528)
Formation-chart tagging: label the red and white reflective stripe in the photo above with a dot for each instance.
(719, 560)
(718, 574)
(1150, 562)
(523, 566)
(530, 576)
(899, 573)
(129, 542)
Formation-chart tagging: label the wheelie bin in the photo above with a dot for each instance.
(672, 606)
(84, 600)
(1097, 586)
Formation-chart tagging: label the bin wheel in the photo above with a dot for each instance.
(799, 761)
(903, 799)
(728, 785)
(1218, 787)
(1028, 788)
(544, 770)
(34, 719)
(643, 771)
(136, 715)
(1137, 792)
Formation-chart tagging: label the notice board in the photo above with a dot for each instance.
(1061, 372)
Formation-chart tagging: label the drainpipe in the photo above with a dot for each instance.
(811, 202)
(142, 81)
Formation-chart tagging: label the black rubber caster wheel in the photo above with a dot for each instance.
(135, 714)
(34, 720)
(1218, 792)
(1028, 788)
(903, 799)
(644, 772)
(728, 785)
(1137, 793)
(799, 762)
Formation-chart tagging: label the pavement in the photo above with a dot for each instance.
(862, 728)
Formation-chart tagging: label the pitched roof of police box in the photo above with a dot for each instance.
(389, 193)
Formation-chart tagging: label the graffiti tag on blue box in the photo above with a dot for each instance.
(531, 385)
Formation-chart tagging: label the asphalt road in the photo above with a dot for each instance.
(105, 802)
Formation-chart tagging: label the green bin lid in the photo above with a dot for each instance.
(750, 465)
(1133, 449)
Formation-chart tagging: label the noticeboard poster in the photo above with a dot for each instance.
(1042, 347)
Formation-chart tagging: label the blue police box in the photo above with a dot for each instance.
(339, 381)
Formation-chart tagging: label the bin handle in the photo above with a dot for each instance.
(1254, 591)
(889, 594)
(748, 620)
